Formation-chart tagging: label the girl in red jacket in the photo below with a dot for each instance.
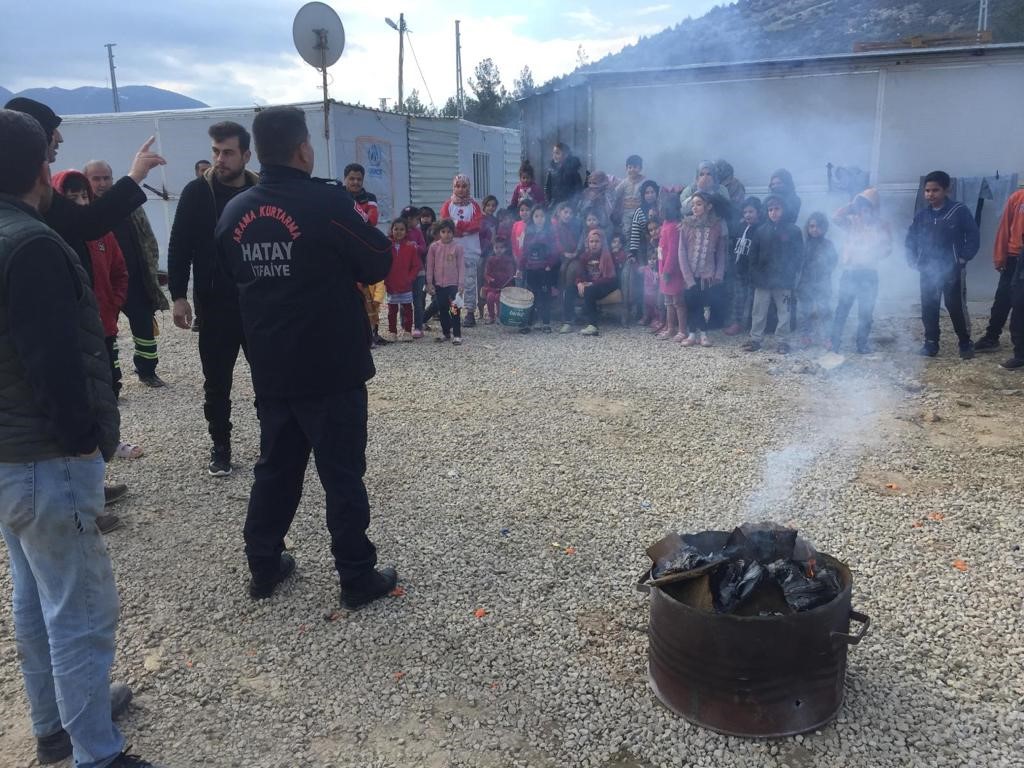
(405, 266)
(110, 275)
(110, 283)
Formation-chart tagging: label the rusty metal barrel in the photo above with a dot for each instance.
(754, 676)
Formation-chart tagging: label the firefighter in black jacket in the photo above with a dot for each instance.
(296, 248)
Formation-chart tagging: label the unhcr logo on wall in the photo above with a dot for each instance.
(375, 156)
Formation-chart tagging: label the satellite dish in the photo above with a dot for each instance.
(318, 34)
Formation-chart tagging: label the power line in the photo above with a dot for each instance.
(408, 36)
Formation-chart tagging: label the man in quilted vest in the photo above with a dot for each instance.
(58, 425)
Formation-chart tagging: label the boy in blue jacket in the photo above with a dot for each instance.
(942, 239)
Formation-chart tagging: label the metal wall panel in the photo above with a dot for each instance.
(433, 160)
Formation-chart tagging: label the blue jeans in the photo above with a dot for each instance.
(65, 600)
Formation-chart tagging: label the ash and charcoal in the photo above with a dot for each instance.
(756, 569)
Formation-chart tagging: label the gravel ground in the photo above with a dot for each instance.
(482, 460)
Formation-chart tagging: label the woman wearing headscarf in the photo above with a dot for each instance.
(781, 185)
(467, 214)
(707, 182)
(597, 198)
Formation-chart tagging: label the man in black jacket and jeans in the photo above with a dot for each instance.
(77, 224)
(58, 424)
(297, 247)
(192, 247)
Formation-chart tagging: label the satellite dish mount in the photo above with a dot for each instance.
(319, 38)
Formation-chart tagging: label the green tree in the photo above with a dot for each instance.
(415, 106)
(524, 85)
(489, 106)
(450, 108)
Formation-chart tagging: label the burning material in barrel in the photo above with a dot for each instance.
(759, 568)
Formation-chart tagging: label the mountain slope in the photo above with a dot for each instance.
(773, 29)
(90, 100)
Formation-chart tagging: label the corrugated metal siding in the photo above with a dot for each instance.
(513, 154)
(433, 160)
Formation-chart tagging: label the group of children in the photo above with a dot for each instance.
(684, 260)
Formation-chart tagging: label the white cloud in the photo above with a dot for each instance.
(252, 59)
(650, 10)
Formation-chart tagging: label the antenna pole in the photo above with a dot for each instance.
(113, 79)
(401, 58)
(460, 96)
(322, 47)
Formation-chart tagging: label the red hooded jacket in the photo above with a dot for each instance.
(405, 265)
(109, 273)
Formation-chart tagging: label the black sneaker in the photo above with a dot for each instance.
(379, 340)
(546, 329)
(195, 324)
(783, 348)
(57, 746)
(525, 329)
(113, 493)
(929, 349)
(864, 348)
(154, 381)
(261, 589)
(220, 461)
(966, 350)
(752, 346)
(125, 760)
(1013, 364)
(368, 588)
(469, 321)
(108, 523)
(986, 344)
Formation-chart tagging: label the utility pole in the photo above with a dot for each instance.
(401, 29)
(460, 95)
(113, 79)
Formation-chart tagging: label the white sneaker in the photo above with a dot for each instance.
(590, 330)
(457, 340)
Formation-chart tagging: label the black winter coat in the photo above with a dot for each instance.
(297, 247)
(563, 183)
(776, 255)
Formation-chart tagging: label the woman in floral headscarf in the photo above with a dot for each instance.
(597, 198)
(468, 216)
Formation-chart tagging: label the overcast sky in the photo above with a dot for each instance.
(234, 53)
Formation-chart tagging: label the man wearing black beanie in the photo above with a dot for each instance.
(78, 224)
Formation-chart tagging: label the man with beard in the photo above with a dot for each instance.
(192, 246)
(142, 257)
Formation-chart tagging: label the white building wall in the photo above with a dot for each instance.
(897, 120)
(377, 140)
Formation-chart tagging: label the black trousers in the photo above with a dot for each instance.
(696, 299)
(861, 286)
(220, 339)
(451, 324)
(593, 294)
(938, 285)
(115, 364)
(540, 282)
(1017, 315)
(1003, 300)
(139, 311)
(333, 427)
